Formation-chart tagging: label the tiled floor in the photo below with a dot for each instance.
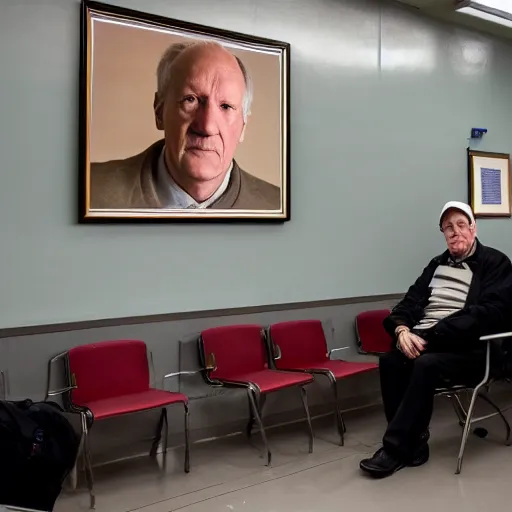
(230, 475)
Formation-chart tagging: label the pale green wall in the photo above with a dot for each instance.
(388, 107)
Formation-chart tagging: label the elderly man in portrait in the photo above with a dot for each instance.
(461, 295)
(202, 104)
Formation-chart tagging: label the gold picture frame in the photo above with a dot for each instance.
(489, 184)
(133, 133)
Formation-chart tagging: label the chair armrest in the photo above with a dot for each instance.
(336, 350)
(56, 392)
(499, 336)
(178, 374)
(489, 338)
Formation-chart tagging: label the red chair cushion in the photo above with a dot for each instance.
(341, 369)
(300, 342)
(272, 380)
(136, 402)
(109, 369)
(238, 349)
(372, 338)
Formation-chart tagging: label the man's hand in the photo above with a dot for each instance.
(410, 344)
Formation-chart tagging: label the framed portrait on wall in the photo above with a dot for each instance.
(489, 183)
(180, 121)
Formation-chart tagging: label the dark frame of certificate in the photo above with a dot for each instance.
(480, 164)
(95, 14)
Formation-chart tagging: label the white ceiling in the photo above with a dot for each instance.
(444, 9)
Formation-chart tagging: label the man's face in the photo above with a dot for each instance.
(202, 113)
(459, 234)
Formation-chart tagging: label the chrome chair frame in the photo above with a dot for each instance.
(256, 398)
(340, 422)
(467, 416)
(87, 420)
(187, 418)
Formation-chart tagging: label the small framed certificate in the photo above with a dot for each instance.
(489, 183)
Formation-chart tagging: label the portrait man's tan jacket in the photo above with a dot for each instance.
(130, 183)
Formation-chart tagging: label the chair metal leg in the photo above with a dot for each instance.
(304, 396)
(250, 424)
(485, 398)
(471, 408)
(73, 475)
(165, 432)
(87, 461)
(83, 465)
(467, 426)
(73, 478)
(187, 439)
(339, 418)
(252, 398)
(458, 408)
(158, 434)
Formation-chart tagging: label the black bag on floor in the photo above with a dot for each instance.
(38, 449)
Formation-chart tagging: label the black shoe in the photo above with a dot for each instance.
(381, 464)
(421, 456)
(425, 436)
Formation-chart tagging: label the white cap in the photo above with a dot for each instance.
(457, 205)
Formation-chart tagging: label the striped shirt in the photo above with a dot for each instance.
(449, 290)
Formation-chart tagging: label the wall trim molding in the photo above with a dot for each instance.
(31, 330)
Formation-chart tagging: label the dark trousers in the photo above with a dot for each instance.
(408, 389)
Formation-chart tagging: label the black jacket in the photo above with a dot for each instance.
(488, 308)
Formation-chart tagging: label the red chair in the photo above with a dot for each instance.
(237, 356)
(301, 346)
(371, 336)
(111, 379)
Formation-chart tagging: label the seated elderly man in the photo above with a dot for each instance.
(459, 297)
